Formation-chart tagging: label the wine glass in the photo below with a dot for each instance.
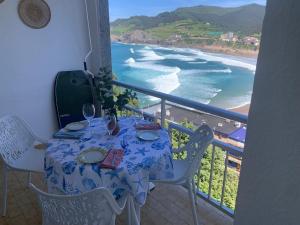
(88, 111)
(140, 114)
(111, 123)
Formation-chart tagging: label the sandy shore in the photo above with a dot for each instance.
(244, 109)
(228, 51)
(206, 48)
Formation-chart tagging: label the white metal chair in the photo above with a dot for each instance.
(184, 170)
(17, 150)
(96, 207)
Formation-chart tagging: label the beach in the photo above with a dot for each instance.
(216, 79)
(243, 109)
(215, 48)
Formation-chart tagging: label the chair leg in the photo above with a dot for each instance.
(29, 179)
(128, 212)
(192, 199)
(4, 195)
(194, 191)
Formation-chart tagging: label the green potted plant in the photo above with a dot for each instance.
(112, 100)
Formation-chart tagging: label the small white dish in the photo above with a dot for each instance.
(92, 155)
(76, 126)
(148, 135)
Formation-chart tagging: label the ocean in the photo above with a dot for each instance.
(216, 79)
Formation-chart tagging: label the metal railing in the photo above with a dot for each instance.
(217, 144)
(185, 102)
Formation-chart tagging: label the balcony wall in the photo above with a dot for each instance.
(31, 58)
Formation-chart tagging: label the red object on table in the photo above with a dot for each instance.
(112, 159)
(152, 126)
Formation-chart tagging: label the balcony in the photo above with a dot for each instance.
(269, 187)
(166, 205)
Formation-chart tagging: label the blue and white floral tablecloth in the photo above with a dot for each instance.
(142, 160)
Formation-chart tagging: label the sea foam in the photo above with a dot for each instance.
(181, 57)
(203, 62)
(199, 71)
(130, 61)
(239, 101)
(166, 82)
(149, 55)
(225, 59)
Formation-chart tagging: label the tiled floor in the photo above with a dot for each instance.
(166, 205)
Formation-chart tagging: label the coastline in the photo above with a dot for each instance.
(228, 51)
(244, 60)
(242, 109)
(205, 48)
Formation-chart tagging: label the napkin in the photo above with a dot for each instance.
(151, 126)
(68, 134)
(112, 159)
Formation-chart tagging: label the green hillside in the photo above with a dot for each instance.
(245, 20)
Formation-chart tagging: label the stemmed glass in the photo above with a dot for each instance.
(88, 111)
(111, 122)
(140, 115)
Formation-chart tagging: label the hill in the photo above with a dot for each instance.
(245, 19)
(234, 30)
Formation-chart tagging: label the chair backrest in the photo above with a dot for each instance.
(196, 147)
(72, 89)
(15, 138)
(97, 207)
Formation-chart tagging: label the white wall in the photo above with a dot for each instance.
(269, 191)
(30, 59)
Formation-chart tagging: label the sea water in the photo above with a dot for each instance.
(216, 79)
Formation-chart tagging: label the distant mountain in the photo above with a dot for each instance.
(245, 19)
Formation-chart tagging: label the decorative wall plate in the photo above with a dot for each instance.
(34, 13)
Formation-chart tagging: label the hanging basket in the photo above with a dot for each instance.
(34, 13)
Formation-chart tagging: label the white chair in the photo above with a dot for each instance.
(96, 207)
(185, 170)
(17, 150)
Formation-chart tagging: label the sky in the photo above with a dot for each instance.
(127, 8)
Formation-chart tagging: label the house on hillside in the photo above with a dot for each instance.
(229, 37)
(174, 38)
(249, 40)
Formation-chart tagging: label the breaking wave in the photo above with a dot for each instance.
(225, 59)
(130, 61)
(166, 82)
(149, 55)
(197, 71)
(203, 62)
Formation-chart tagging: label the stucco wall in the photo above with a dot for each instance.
(30, 59)
(269, 192)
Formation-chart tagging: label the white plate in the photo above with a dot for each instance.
(76, 126)
(92, 155)
(147, 135)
